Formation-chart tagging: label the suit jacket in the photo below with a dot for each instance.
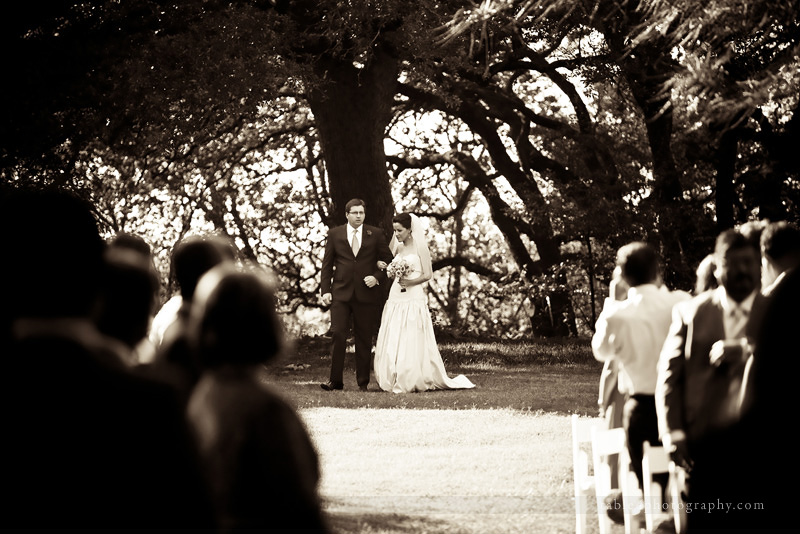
(772, 396)
(343, 272)
(776, 359)
(692, 395)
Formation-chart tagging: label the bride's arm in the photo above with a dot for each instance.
(421, 279)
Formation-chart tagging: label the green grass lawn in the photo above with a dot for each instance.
(495, 458)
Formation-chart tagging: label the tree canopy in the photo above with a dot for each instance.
(535, 136)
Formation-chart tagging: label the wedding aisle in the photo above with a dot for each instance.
(436, 471)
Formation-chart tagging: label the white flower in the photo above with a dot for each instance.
(398, 268)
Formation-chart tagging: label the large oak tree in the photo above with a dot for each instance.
(575, 119)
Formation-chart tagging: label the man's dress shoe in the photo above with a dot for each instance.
(331, 386)
(363, 388)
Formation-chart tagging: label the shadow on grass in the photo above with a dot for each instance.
(358, 522)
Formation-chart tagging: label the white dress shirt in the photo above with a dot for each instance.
(632, 331)
(770, 289)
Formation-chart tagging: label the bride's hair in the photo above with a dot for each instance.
(411, 222)
(403, 219)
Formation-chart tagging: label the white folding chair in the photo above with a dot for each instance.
(677, 482)
(605, 443)
(584, 482)
(654, 461)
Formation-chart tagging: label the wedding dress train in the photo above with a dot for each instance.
(407, 358)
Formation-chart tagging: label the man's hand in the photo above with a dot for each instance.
(727, 350)
(679, 453)
(326, 299)
(370, 281)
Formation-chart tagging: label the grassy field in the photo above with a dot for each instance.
(491, 459)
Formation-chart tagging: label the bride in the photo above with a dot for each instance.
(406, 356)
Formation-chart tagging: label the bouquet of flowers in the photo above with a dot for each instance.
(398, 269)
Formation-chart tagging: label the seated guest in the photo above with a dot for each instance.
(631, 332)
(164, 317)
(193, 257)
(260, 461)
(191, 262)
(127, 297)
(125, 242)
(86, 444)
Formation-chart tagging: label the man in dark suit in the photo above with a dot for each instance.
(350, 283)
(780, 254)
(700, 375)
(769, 390)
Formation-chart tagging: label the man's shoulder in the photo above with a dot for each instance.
(706, 302)
(789, 286)
(335, 230)
(616, 311)
(374, 232)
(677, 296)
(706, 298)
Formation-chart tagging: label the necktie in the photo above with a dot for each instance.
(356, 246)
(739, 322)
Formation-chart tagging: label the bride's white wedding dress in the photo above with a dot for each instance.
(406, 356)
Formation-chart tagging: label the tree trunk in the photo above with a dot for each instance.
(667, 190)
(352, 108)
(554, 315)
(646, 68)
(725, 167)
(455, 280)
(592, 292)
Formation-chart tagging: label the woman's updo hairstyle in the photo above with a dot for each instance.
(403, 219)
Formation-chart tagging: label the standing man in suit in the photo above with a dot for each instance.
(780, 254)
(770, 387)
(700, 375)
(350, 283)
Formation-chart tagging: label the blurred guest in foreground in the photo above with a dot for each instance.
(174, 360)
(701, 369)
(126, 242)
(780, 254)
(769, 390)
(260, 461)
(705, 277)
(127, 298)
(86, 444)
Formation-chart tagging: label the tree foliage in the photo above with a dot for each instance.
(535, 136)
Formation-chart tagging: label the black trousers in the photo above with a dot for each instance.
(641, 424)
(365, 317)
